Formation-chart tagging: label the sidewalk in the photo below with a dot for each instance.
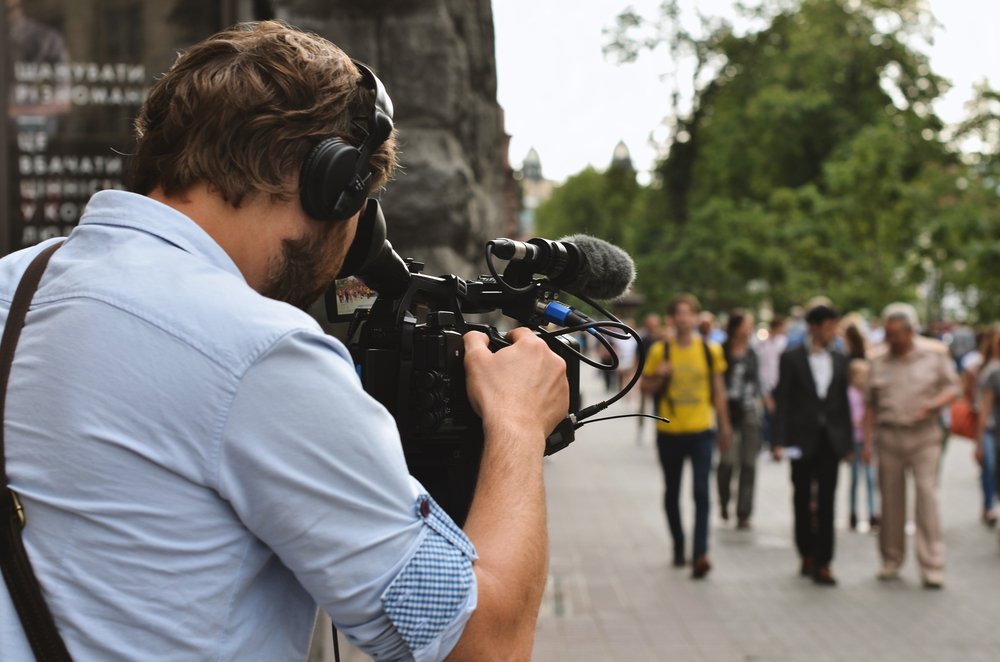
(613, 594)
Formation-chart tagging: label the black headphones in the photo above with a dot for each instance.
(335, 179)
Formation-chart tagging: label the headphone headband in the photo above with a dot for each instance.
(335, 179)
(372, 82)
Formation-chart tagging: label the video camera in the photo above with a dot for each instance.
(414, 365)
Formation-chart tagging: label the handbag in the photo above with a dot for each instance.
(36, 619)
(963, 418)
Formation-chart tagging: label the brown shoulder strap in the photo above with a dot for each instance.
(25, 592)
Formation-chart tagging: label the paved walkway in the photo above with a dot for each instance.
(612, 593)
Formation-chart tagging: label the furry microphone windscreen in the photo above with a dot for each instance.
(607, 271)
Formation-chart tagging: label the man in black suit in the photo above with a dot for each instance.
(813, 414)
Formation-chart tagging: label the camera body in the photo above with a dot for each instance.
(416, 370)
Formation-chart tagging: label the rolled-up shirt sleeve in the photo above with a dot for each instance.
(313, 468)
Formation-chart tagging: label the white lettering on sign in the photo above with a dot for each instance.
(32, 234)
(34, 95)
(82, 95)
(41, 189)
(92, 72)
(73, 165)
(32, 141)
(79, 72)
(38, 72)
(110, 84)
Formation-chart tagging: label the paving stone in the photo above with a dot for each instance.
(608, 531)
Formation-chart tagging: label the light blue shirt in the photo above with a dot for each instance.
(200, 467)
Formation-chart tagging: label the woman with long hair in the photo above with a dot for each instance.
(743, 393)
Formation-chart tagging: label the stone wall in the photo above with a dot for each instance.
(436, 58)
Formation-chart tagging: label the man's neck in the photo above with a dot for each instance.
(904, 352)
(817, 344)
(684, 338)
(251, 235)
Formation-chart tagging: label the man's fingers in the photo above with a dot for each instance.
(475, 339)
(519, 333)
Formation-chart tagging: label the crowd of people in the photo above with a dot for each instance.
(819, 388)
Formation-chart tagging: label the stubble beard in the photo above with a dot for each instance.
(304, 269)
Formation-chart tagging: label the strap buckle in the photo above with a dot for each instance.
(17, 506)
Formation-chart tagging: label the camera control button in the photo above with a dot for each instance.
(428, 421)
(427, 400)
(427, 380)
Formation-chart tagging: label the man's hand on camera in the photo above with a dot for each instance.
(521, 393)
(523, 385)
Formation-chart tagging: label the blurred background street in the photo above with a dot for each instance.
(613, 594)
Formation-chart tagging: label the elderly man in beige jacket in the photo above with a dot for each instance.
(907, 387)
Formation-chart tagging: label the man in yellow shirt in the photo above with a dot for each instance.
(685, 374)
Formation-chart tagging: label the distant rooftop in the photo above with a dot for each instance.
(532, 167)
(621, 156)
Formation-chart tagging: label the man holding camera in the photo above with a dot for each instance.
(198, 465)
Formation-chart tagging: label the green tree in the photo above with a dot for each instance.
(592, 202)
(808, 162)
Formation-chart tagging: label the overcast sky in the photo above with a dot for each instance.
(561, 97)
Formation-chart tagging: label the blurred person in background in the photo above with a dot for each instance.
(770, 356)
(626, 350)
(743, 394)
(907, 388)
(796, 328)
(858, 370)
(685, 376)
(876, 335)
(813, 414)
(988, 403)
(709, 329)
(651, 332)
(854, 341)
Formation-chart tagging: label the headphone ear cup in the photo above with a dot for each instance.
(326, 174)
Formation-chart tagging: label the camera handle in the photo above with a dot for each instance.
(565, 432)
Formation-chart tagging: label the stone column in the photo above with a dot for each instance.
(436, 58)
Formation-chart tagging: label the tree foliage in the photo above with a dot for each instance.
(809, 161)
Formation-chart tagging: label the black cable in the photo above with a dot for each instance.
(600, 338)
(336, 644)
(611, 418)
(504, 285)
(587, 412)
(604, 311)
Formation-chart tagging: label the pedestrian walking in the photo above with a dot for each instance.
(685, 374)
(770, 356)
(743, 394)
(651, 332)
(988, 399)
(858, 370)
(907, 388)
(813, 414)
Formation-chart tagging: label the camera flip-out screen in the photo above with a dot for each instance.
(350, 294)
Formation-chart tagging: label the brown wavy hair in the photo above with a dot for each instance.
(241, 110)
